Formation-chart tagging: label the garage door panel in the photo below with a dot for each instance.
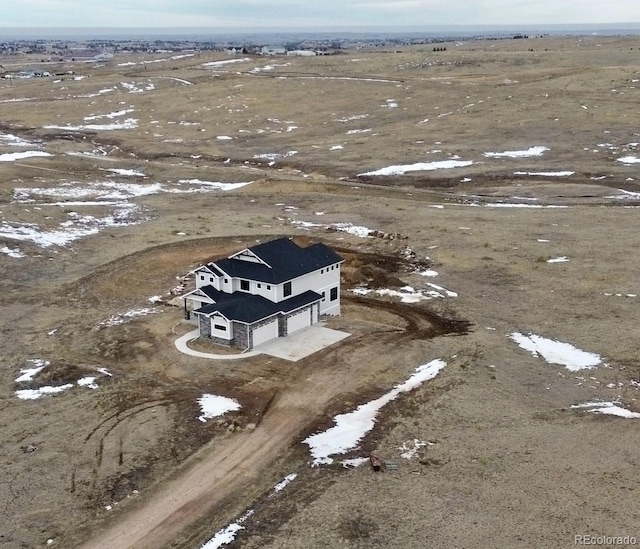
(298, 321)
(265, 333)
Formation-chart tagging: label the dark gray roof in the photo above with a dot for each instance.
(285, 258)
(249, 308)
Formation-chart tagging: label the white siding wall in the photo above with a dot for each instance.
(226, 286)
(205, 278)
(313, 281)
(319, 281)
(265, 290)
(221, 321)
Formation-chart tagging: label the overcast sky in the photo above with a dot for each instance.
(294, 14)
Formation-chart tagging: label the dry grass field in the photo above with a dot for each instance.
(516, 180)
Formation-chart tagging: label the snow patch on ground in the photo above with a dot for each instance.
(127, 316)
(128, 124)
(27, 374)
(420, 166)
(350, 428)
(410, 449)
(75, 228)
(14, 140)
(126, 173)
(607, 408)
(356, 230)
(546, 174)
(408, 294)
(12, 252)
(34, 394)
(283, 483)
(11, 157)
(215, 184)
(537, 150)
(556, 352)
(562, 259)
(227, 534)
(88, 381)
(629, 160)
(354, 462)
(217, 64)
(213, 406)
(111, 194)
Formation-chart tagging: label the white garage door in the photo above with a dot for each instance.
(298, 321)
(266, 332)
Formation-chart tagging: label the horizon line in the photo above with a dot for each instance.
(324, 27)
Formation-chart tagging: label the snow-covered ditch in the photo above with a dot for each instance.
(76, 227)
(351, 427)
(113, 195)
(226, 535)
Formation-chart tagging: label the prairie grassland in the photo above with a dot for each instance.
(142, 184)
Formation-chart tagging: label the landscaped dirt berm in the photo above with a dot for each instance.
(496, 219)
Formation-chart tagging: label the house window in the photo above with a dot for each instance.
(334, 294)
(286, 289)
(259, 285)
(324, 296)
(321, 271)
(244, 285)
(268, 286)
(226, 281)
(220, 327)
(201, 277)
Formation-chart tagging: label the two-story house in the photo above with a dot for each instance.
(267, 291)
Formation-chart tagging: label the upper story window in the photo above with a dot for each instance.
(286, 289)
(244, 285)
(201, 277)
(334, 294)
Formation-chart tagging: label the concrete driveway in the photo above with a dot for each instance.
(293, 347)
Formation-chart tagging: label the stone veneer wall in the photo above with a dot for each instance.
(204, 326)
(240, 335)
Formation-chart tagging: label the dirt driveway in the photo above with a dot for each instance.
(225, 469)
